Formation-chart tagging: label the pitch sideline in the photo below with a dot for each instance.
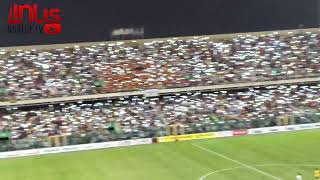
(262, 165)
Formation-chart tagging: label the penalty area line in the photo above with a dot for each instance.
(237, 162)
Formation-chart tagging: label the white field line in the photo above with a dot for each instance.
(237, 162)
(262, 165)
(217, 171)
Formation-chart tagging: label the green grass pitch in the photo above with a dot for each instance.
(261, 157)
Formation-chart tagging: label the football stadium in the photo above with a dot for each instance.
(222, 106)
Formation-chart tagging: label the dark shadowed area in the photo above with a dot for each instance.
(93, 20)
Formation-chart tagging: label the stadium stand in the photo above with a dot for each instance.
(157, 64)
(138, 116)
(195, 84)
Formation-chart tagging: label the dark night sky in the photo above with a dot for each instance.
(91, 20)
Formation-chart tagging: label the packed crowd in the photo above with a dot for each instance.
(169, 63)
(149, 117)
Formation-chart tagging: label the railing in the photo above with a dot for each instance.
(159, 91)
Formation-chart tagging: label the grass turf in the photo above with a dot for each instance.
(281, 155)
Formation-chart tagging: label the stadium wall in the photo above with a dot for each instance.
(187, 137)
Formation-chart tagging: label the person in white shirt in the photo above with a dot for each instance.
(299, 176)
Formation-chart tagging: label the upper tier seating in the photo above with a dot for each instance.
(157, 64)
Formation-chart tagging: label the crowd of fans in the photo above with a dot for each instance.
(171, 63)
(140, 116)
